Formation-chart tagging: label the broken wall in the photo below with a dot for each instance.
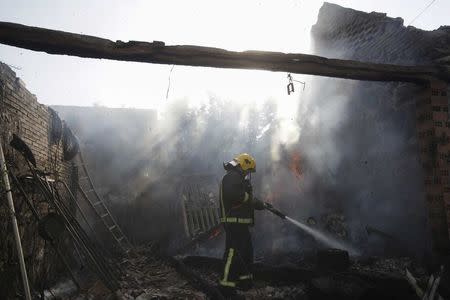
(42, 130)
(379, 142)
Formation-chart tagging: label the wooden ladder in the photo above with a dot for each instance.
(97, 204)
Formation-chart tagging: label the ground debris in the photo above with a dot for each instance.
(395, 266)
(383, 278)
(149, 276)
(282, 292)
(146, 275)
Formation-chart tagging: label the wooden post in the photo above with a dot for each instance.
(217, 214)
(184, 210)
(23, 269)
(206, 214)
(212, 215)
(202, 220)
(191, 223)
(196, 222)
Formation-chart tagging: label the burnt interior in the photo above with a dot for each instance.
(138, 216)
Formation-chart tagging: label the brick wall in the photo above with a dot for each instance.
(21, 114)
(433, 129)
(346, 33)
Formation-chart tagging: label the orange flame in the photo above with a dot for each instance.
(215, 233)
(295, 164)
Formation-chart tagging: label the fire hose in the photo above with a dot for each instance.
(269, 207)
(304, 227)
(319, 236)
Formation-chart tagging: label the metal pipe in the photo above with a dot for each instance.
(74, 200)
(104, 270)
(38, 218)
(94, 250)
(77, 235)
(23, 269)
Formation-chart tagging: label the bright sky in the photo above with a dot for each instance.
(279, 25)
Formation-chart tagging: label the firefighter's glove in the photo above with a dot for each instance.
(267, 205)
(258, 204)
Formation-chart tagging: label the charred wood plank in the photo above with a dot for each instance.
(65, 43)
(196, 280)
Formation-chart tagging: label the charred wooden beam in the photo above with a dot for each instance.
(65, 43)
(195, 279)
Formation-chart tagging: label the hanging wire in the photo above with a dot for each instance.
(168, 84)
(393, 34)
(422, 12)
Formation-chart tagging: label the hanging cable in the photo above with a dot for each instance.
(392, 35)
(422, 12)
(168, 84)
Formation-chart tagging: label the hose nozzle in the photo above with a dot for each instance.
(273, 210)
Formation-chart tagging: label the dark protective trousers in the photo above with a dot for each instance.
(238, 256)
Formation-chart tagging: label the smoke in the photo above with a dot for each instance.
(342, 154)
(346, 155)
(360, 165)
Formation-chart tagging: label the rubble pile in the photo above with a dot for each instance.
(145, 275)
(281, 292)
(395, 266)
(148, 276)
(210, 270)
(302, 279)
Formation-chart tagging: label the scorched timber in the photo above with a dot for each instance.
(65, 43)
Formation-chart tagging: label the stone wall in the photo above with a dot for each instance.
(43, 131)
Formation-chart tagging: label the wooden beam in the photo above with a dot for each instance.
(65, 43)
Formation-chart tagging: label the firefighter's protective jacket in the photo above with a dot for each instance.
(236, 199)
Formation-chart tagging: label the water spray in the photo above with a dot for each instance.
(319, 236)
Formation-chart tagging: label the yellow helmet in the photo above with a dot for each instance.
(246, 161)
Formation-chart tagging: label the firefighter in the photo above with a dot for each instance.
(237, 206)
